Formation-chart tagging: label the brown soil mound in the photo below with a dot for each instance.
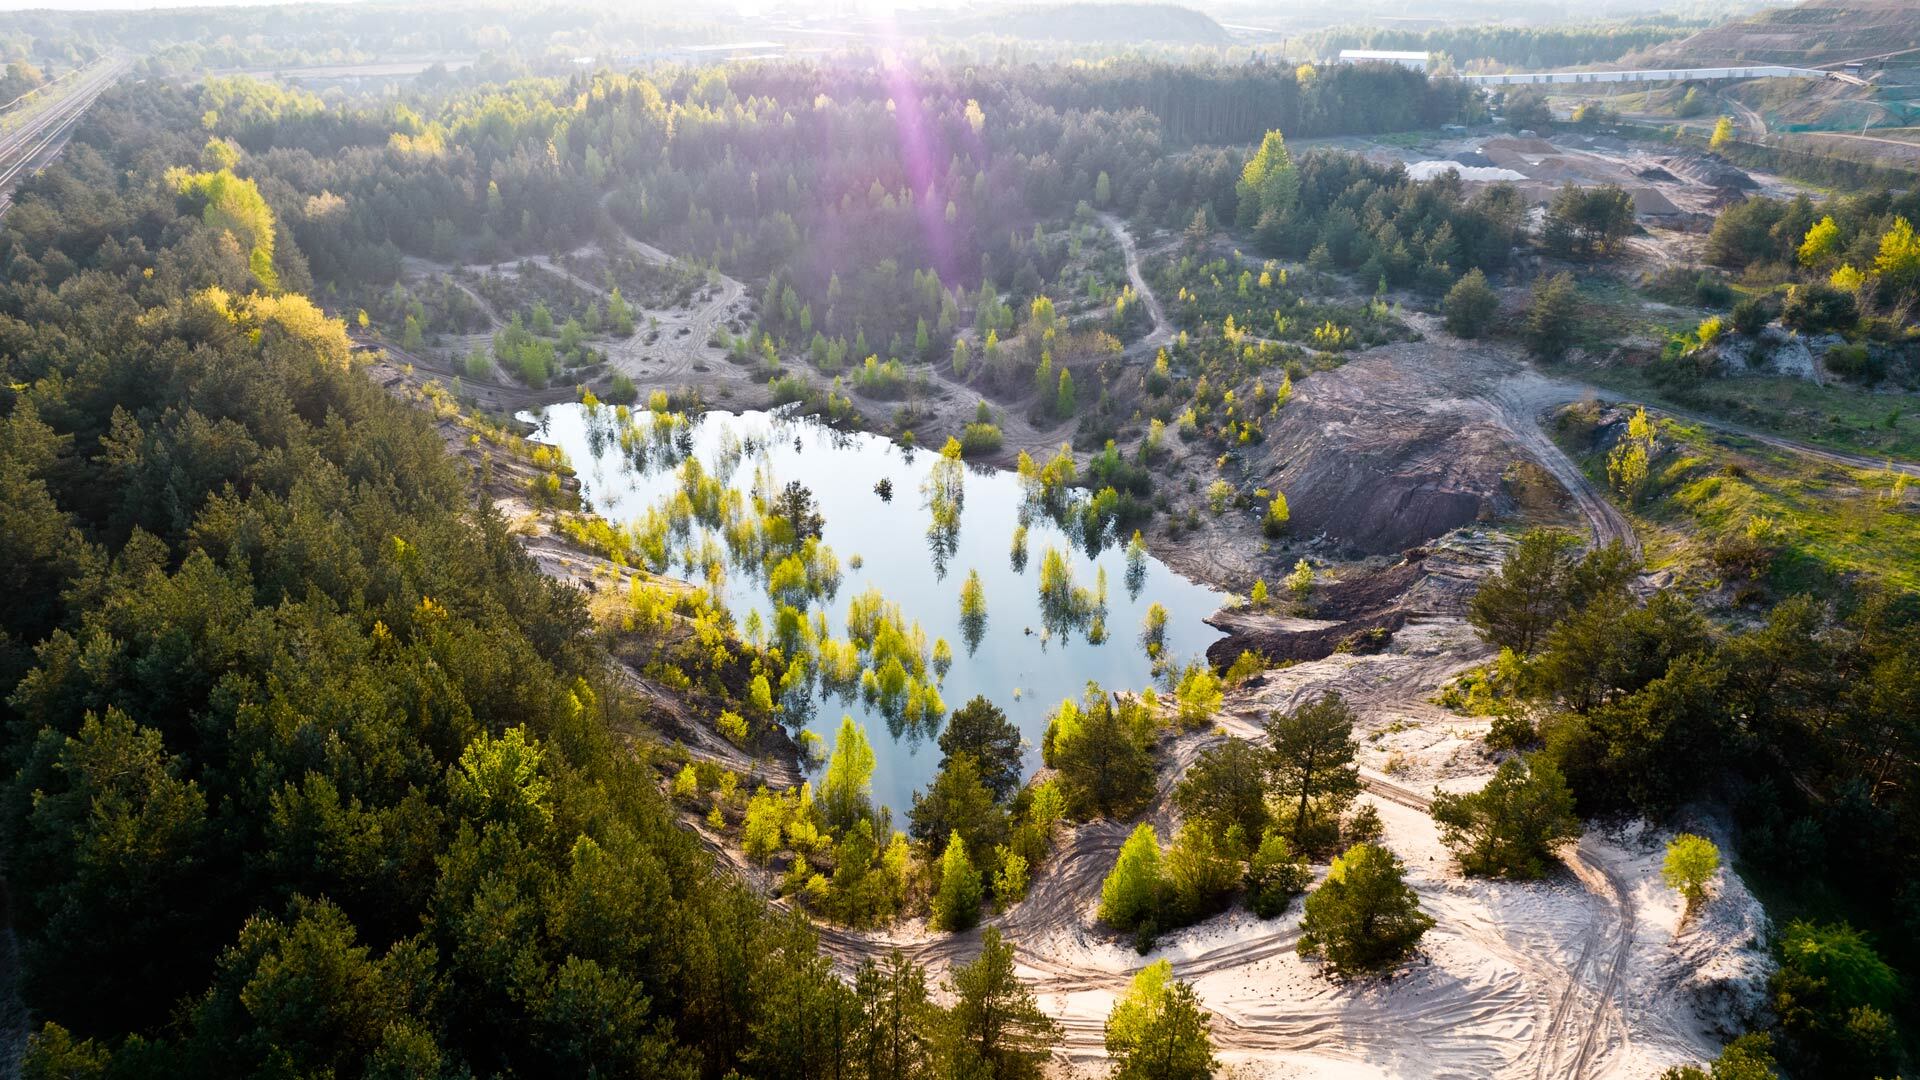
(1709, 169)
(1379, 464)
(1283, 640)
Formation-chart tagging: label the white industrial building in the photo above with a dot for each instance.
(1418, 61)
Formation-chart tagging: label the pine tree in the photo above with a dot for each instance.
(899, 1020)
(995, 1028)
(1364, 917)
(1510, 827)
(1552, 316)
(1311, 753)
(1470, 305)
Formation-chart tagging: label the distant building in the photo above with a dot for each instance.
(732, 50)
(1418, 61)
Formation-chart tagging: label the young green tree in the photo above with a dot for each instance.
(1278, 516)
(995, 1028)
(845, 791)
(1275, 875)
(1821, 243)
(956, 906)
(1897, 263)
(1690, 865)
(1553, 316)
(1063, 400)
(1364, 917)
(1269, 182)
(1299, 581)
(1510, 827)
(1202, 872)
(1133, 892)
(958, 802)
(1159, 1031)
(1722, 133)
(1470, 305)
(1198, 694)
(1310, 758)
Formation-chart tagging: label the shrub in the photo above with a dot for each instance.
(1470, 305)
(1856, 363)
(1364, 917)
(1750, 316)
(1818, 309)
(980, 438)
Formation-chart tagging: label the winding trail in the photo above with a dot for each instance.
(1516, 404)
(1162, 333)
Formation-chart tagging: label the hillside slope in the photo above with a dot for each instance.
(1818, 33)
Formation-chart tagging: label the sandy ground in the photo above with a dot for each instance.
(1587, 974)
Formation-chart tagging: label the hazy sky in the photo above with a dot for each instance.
(120, 5)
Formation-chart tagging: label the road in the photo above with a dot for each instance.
(37, 139)
(1751, 71)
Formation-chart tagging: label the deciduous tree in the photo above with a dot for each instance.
(1159, 1031)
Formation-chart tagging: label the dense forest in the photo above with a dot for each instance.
(311, 770)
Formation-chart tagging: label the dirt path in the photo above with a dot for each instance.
(1781, 442)
(1162, 333)
(1517, 403)
(1755, 122)
(671, 349)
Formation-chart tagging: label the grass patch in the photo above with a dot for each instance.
(1613, 311)
(1835, 417)
(1711, 492)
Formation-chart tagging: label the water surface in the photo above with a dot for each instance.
(1018, 662)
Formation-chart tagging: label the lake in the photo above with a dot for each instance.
(1025, 659)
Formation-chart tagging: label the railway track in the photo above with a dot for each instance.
(29, 145)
